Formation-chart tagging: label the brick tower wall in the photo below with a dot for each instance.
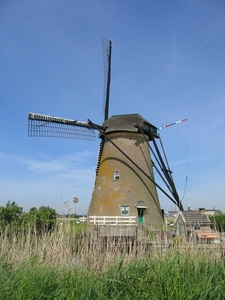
(132, 186)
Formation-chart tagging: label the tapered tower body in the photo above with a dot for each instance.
(123, 186)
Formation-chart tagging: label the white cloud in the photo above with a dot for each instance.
(36, 182)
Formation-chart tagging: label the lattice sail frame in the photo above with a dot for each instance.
(107, 52)
(50, 126)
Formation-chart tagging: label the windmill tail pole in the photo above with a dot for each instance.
(168, 125)
(168, 180)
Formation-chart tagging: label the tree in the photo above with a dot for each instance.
(44, 218)
(41, 220)
(11, 214)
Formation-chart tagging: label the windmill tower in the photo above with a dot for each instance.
(124, 185)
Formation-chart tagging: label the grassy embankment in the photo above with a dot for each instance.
(65, 265)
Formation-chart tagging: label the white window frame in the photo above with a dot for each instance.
(116, 176)
(125, 210)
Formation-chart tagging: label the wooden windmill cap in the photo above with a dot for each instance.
(126, 123)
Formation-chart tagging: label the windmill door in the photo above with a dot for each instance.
(140, 215)
(141, 211)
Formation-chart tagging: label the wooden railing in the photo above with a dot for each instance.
(112, 220)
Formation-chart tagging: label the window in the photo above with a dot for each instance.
(116, 176)
(140, 203)
(125, 210)
(197, 227)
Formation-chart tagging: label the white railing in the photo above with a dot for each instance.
(112, 220)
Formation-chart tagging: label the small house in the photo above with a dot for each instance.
(189, 223)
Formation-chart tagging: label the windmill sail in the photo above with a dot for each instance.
(50, 126)
(107, 53)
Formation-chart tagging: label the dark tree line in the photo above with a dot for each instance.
(41, 220)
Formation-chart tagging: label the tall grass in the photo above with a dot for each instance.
(72, 264)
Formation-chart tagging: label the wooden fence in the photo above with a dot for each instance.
(112, 220)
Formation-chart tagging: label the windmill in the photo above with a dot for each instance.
(128, 154)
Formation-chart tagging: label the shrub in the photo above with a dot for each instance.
(218, 222)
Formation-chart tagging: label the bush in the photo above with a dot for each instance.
(218, 222)
(43, 219)
(11, 214)
(13, 217)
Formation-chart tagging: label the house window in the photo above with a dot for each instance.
(116, 176)
(125, 210)
(197, 227)
(140, 203)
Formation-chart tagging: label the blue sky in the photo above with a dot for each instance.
(168, 63)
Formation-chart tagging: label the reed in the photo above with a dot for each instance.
(74, 263)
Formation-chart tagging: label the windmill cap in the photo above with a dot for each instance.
(125, 123)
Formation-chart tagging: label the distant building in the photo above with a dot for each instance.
(208, 212)
(190, 221)
(194, 224)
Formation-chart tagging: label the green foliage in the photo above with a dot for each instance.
(218, 222)
(43, 219)
(12, 216)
